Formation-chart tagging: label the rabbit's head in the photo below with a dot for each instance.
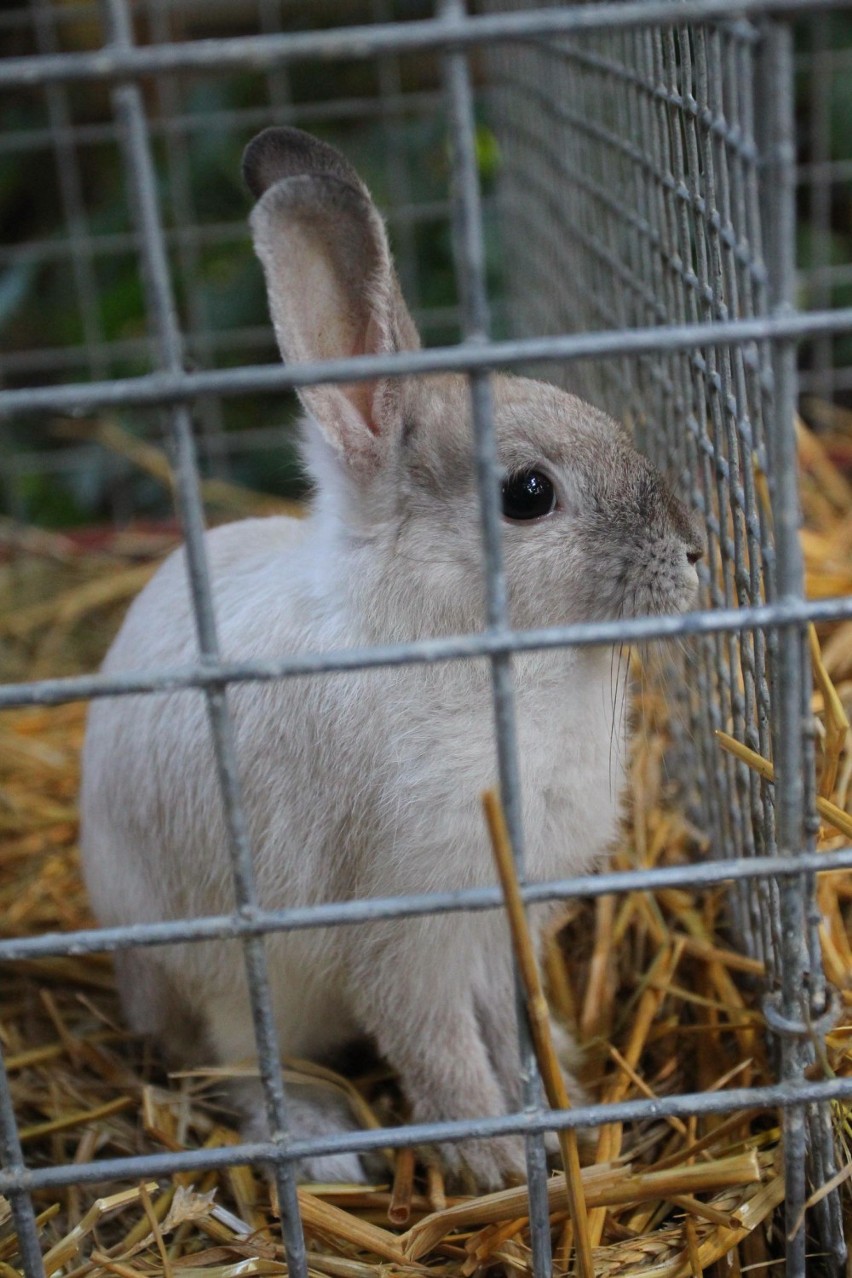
(591, 529)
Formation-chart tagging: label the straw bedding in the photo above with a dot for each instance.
(660, 998)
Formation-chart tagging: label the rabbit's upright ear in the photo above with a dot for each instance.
(333, 291)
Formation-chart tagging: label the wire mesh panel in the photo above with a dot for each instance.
(642, 152)
(647, 192)
(651, 154)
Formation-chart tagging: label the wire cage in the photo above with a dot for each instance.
(646, 183)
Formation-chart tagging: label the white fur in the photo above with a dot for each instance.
(368, 784)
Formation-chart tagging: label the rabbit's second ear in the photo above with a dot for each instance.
(333, 293)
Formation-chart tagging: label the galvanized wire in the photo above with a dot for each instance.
(144, 1166)
(79, 398)
(260, 52)
(340, 914)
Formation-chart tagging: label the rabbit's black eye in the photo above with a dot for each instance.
(528, 495)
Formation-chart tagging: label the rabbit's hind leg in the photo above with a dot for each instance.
(154, 1005)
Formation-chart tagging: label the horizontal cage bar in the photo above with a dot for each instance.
(780, 1095)
(266, 51)
(164, 388)
(258, 922)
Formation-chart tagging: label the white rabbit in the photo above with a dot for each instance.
(367, 784)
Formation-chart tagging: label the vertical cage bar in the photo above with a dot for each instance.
(473, 306)
(789, 684)
(189, 252)
(821, 75)
(23, 1211)
(391, 91)
(71, 195)
(130, 115)
(277, 77)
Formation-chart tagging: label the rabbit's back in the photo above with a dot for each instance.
(154, 839)
(159, 628)
(150, 804)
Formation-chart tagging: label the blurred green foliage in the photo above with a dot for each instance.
(48, 335)
(61, 321)
(823, 88)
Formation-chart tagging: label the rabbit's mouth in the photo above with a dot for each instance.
(667, 583)
(617, 577)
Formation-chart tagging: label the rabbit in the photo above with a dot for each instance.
(368, 783)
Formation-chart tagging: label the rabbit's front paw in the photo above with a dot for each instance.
(310, 1115)
(332, 1169)
(485, 1164)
